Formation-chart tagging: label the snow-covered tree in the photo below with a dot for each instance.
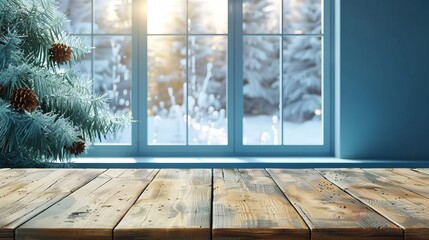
(301, 58)
(302, 62)
(261, 57)
(261, 75)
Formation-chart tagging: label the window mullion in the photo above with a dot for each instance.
(187, 76)
(230, 106)
(237, 93)
(281, 77)
(142, 76)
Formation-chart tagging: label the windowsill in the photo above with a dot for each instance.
(244, 162)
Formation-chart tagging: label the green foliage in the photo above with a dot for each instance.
(67, 110)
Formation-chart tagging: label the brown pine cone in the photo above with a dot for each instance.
(78, 147)
(60, 53)
(24, 99)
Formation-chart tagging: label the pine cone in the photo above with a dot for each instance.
(24, 99)
(60, 53)
(78, 147)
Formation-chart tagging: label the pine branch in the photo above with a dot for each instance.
(10, 52)
(67, 108)
(88, 114)
(66, 96)
(23, 159)
(44, 136)
(5, 126)
(40, 25)
(18, 160)
(23, 75)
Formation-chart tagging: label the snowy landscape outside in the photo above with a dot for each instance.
(188, 68)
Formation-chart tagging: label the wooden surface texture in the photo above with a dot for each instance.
(176, 205)
(330, 212)
(405, 208)
(248, 203)
(166, 204)
(92, 211)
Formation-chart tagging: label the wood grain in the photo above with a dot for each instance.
(17, 178)
(176, 205)
(249, 205)
(92, 211)
(406, 178)
(413, 174)
(25, 193)
(329, 211)
(423, 170)
(401, 206)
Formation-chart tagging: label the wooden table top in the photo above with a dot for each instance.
(316, 204)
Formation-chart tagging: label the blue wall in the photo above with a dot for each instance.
(384, 74)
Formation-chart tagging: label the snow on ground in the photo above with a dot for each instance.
(258, 130)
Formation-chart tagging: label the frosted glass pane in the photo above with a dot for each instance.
(261, 16)
(302, 16)
(261, 90)
(166, 16)
(112, 16)
(166, 79)
(207, 99)
(208, 16)
(112, 72)
(79, 14)
(302, 89)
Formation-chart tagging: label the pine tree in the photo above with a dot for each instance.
(261, 57)
(47, 113)
(302, 63)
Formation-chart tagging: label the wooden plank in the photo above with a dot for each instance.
(329, 211)
(413, 174)
(2, 170)
(249, 205)
(406, 178)
(401, 206)
(92, 211)
(423, 170)
(176, 205)
(17, 178)
(25, 193)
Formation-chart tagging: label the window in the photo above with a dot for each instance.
(105, 25)
(211, 77)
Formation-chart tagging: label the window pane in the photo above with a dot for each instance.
(79, 14)
(208, 16)
(261, 16)
(166, 79)
(112, 16)
(261, 90)
(302, 89)
(207, 81)
(302, 16)
(166, 16)
(112, 72)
